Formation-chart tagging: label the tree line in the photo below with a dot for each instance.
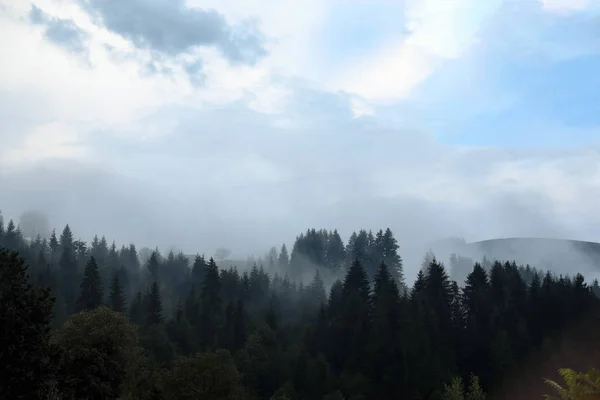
(91, 322)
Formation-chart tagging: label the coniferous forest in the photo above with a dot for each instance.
(324, 320)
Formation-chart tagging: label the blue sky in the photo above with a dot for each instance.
(244, 122)
(539, 92)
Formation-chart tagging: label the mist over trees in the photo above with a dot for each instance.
(34, 223)
(321, 319)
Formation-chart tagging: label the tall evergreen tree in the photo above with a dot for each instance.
(25, 349)
(154, 307)
(210, 303)
(153, 266)
(137, 311)
(68, 269)
(116, 297)
(438, 292)
(284, 258)
(91, 292)
(355, 317)
(384, 339)
(392, 258)
(1, 230)
(335, 252)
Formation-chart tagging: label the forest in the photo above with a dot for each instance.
(326, 320)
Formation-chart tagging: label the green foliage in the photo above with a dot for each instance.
(143, 378)
(475, 391)
(578, 385)
(286, 392)
(97, 349)
(455, 390)
(206, 376)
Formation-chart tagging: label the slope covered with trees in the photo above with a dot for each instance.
(324, 320)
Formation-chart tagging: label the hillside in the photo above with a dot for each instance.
(560, 256)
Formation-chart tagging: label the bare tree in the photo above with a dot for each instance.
(222, 253)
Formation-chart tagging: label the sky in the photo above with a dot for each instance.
(206, 123)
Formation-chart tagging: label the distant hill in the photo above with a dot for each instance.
(560, 256)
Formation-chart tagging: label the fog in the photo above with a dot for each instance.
(205, 141)
(94, 201)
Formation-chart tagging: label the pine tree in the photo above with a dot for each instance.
(25, 315)
(357, 281)
(455, 390)
(154, 308)
(438, 295)
(478, 308)
(384, 345)
(91, 293)
(153, 266)
(355, 317)
(211, 287)
(1, 230)
(210, 307)
(198, 271)
(392, 259)
(68, 269)
(475, 391)
(117, 296)
(316, 289)
(137, 309)
(284, 258)
(336, 252)
(66, 238)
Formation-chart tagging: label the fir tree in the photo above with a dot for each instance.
(91, 293)
(116, 297)
(210, 307)
(25, 349)
(153, 266)
(137, 309)
(154, 308)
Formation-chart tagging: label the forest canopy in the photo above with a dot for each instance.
(325, 320)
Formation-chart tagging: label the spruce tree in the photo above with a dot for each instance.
(154, 308)
(1, 230)
(475, 391)
(284, 258)
(25, 315)
(153, 266)
(210, 303)
(354, 329)
(137, 309)
(116, 297)
(383, 343)
(478, 308)
(336, 252)
(91, 293)
(316, 289)
(198, 271)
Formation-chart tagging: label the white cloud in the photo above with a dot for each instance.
(437, 30)
(565, 6)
